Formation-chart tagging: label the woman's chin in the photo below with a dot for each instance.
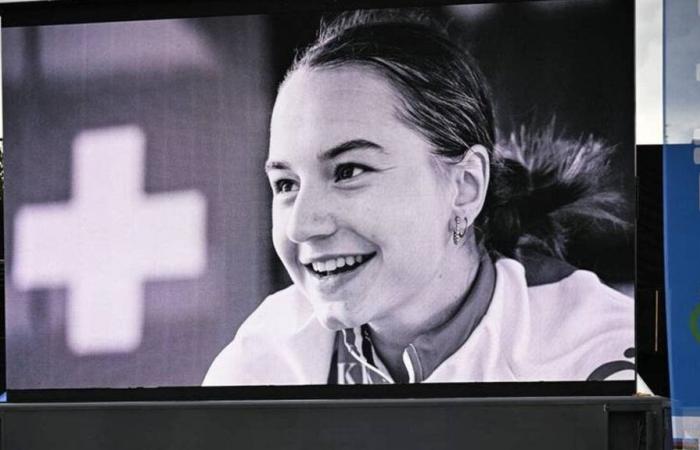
(334, 321)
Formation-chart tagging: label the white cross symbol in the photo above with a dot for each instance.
(107, 240)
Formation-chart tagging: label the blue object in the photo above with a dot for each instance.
(682, 248)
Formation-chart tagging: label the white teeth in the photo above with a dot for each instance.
(336, 263)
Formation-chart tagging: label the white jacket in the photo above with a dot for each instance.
(561, 331)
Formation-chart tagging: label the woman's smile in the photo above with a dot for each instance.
(330, 275)
(326, 267)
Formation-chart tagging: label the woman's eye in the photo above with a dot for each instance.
(347, 171)
(285, 185)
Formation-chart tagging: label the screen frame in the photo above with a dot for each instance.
(34, 13)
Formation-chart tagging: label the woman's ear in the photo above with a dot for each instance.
(471, 178)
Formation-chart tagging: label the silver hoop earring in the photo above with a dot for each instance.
(460, 230)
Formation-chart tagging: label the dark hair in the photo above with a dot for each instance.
(444, 94)
(446, 98)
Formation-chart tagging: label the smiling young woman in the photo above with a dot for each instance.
(405, 228)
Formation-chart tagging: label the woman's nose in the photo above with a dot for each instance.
(311, 216)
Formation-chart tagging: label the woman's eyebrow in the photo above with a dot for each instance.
(279, 165)
(354, 144)
(334, 152)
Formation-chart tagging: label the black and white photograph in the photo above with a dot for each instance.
(346, 197)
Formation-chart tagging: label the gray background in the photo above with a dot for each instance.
(681, 72)
(200, 113)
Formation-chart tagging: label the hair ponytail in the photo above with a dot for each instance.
(543, 188)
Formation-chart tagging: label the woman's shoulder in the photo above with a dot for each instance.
(272, 346)
(578, 291)
(552, 283)
(571, 324)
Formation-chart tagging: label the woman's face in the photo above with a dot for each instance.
(360, 212)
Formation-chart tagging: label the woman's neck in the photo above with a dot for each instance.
(428, 310)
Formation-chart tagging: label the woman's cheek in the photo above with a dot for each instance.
(280, 241)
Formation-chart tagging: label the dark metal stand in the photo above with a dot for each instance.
(596, 423)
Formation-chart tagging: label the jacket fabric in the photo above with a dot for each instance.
(572, 329)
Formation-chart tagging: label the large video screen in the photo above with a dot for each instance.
(347, 197)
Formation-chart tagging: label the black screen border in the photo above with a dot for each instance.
(327, 392)
(60, 12)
